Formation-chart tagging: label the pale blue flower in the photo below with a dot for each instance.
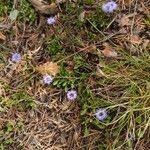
(16, 57)
(101, 114)
(131, 137)
(51, 20)
(72, 95)
(47, 79)
(109, 7)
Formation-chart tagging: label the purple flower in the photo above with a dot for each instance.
(101, 114)
(131, 137)
(72, 95)
(109, 7)
(16, 57)
(47, 79)
(51, 20)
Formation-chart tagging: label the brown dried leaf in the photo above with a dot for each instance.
(48, 68)
(90, 48)
(124, 21)
(82, 16)
(44, 8)
(1, 68)
(146, 43)
(135, 39)
(109, 52)
(99, 72)
(128, 2)
(1, 19)
(2, 36)
(57, 147)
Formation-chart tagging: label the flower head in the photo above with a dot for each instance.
(51, 20)
(47, 79)
(109, 7)
(16, 57)
(101, 114)
(72, 95)
(131, 137)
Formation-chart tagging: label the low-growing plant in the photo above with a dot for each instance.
(124, 93)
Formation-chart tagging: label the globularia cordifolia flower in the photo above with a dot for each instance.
(47, 79)
(109, 7)
(101, 114)
(131, 137)
(16, 57)
(51, 20)
(71, 95)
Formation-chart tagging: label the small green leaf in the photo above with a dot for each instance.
(64, 84)
(83, 112)
(139, 119)
(66, 89)
(9, 141)
(13, 15)
(9, 129)
(140, 133)
(2, 147)
(86, 132)
(55, 82)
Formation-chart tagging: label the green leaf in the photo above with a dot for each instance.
(66, 89)
(9, 141)
(55, 82)
(86, 132)
(83, 112)
(139, 119)
(13, 15)
(140, 133)
(9, 129)
(1, 147)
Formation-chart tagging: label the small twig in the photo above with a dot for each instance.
(133, 20)
(22, 36)
(5, 26)
(14, 4)
(107, 38)
(83, 49)
(3, 47)
(111, 22)
(101, 32)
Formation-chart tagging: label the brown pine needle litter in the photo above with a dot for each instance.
(74, 75)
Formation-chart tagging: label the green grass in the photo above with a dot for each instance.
(121, 85)
(125, 93)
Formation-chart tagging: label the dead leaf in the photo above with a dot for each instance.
(99, 72)
(2, 90)
(124, 21)
(60, 1)
(45, 8)
(109, 52)
(135, 39)
(1, 19)
(146, 43)
(57, 147)
(1, 69)
(89, 48)
(2, 36)
(82, 16)
(70, 66)
(128, 2)
(1, 66)
(65, 106)
(48, 68)
(92, 48)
